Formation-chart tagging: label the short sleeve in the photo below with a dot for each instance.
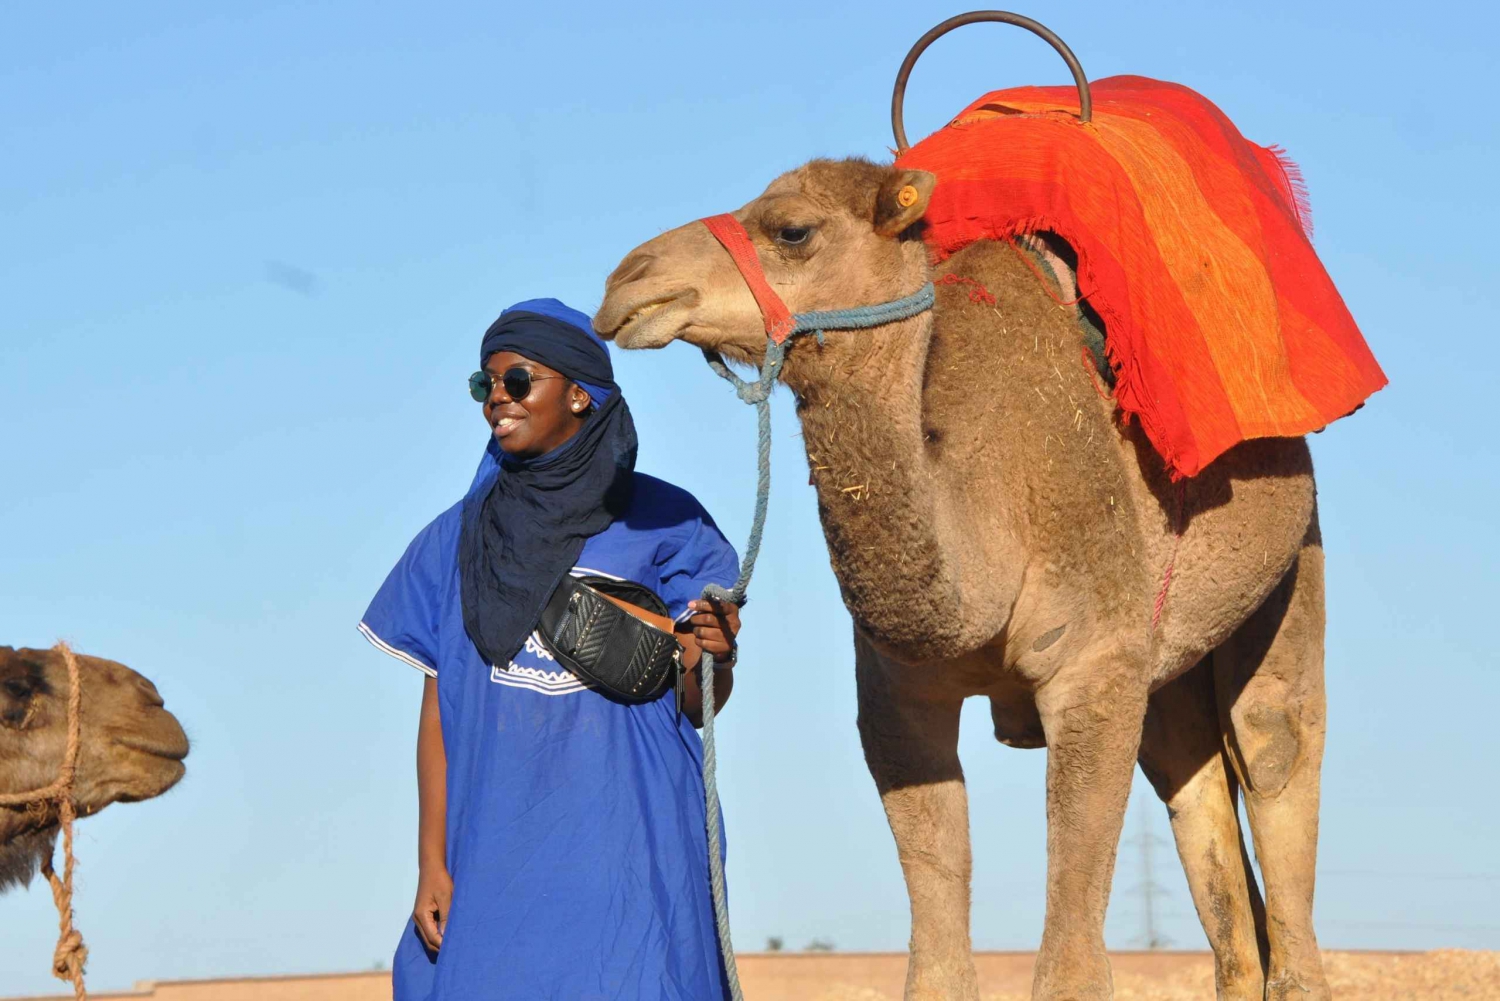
(697, 555)
(404, 618)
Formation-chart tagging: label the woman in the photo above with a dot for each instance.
(562, 851)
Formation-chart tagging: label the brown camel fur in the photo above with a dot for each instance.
(130, 747)
(995, 531)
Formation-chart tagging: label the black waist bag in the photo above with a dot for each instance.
(605, 645)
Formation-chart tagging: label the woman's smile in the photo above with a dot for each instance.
(505, 423)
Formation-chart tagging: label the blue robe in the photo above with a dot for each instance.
(576, 834)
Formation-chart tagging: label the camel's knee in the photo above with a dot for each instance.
(931, 827)
(1272, 741)
(1269, 676)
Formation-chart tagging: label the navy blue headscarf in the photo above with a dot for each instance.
(522, 536)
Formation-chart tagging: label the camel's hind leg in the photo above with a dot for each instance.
(1182, 754)
(910, 737)
(1269, 682)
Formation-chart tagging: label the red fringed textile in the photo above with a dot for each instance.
(1192, 245)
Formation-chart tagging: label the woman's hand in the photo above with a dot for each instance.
(434, 895)
(711, 629)
(715, 627)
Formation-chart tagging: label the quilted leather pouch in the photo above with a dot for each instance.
(606, 646)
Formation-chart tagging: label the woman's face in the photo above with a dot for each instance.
(545, 418)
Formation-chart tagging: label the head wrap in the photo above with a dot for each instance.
(522, 536)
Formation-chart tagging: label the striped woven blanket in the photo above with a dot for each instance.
(1193, 246)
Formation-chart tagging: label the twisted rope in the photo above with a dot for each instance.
(71, 954)
(757, 393)
(862, 317)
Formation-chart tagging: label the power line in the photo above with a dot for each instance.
(1148, 888)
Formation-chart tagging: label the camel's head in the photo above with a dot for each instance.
(830, 234)
(130, 747)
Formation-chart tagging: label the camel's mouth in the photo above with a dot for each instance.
(642, 312)
(650, 324)
(157, 749)
(157, 766)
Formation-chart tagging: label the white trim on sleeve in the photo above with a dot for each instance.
(400, 655)
(586, 572)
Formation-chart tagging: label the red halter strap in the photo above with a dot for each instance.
(728, 231)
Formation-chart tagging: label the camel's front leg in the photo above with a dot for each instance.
(910, 736)
(1093, 733)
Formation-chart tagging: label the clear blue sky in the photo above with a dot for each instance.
(246, 253)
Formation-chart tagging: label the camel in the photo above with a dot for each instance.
(997, 531)
(131, 748)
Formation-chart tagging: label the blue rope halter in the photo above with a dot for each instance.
(757, 393)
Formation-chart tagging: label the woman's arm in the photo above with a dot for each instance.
(434, 885)
(692, 692)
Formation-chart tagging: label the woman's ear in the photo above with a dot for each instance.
(578, 399)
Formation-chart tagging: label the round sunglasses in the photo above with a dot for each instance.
(517, 383)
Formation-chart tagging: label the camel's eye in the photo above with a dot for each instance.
(793, 236)
(17, 708)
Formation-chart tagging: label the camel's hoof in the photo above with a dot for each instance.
(1290, 987)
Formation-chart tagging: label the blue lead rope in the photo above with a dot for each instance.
(757, 393)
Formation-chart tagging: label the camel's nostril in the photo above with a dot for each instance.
(153, 697)
(633, 267)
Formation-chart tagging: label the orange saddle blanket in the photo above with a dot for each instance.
(1192, 243)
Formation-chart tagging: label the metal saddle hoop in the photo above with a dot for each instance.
(898, 96)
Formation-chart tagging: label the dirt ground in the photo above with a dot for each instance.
(1429, 976)
(1444, 975)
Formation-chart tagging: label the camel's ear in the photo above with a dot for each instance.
(902, 200)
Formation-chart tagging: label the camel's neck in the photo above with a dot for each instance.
(887, 505)
(26, 842)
